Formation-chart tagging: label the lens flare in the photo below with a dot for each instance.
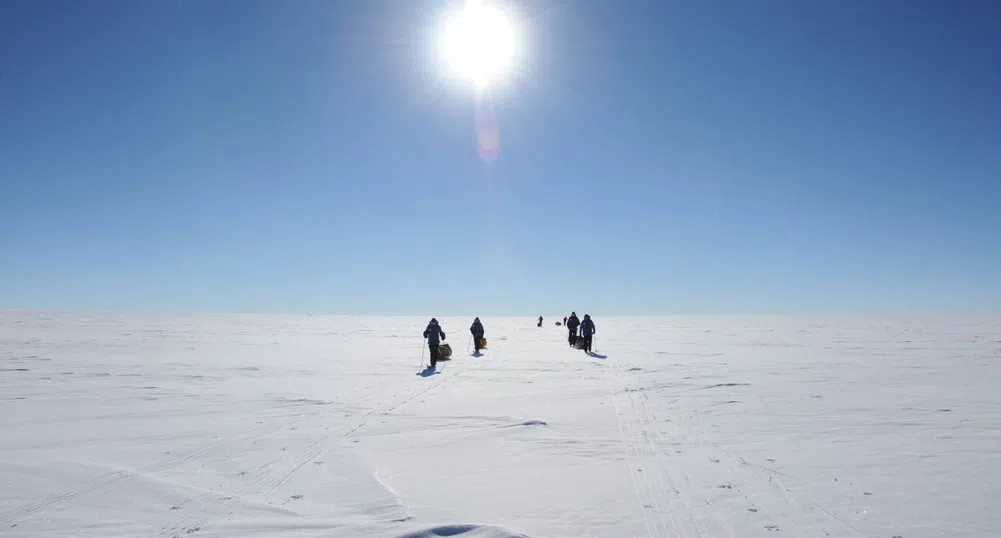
(487, 133)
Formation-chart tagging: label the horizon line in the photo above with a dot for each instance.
(307, 313)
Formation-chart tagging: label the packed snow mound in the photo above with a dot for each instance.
(464, 531)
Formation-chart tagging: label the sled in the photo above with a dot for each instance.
(579, 344)
(444, 352)
(483, 343)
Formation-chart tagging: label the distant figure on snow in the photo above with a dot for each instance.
(572, 323)
(477, 329)
(540, 322)
(564, 320)
(587, 331)
(432, 333)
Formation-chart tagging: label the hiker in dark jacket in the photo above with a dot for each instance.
(477, 329)
(587, 331)
(572, 324)
(432, 333)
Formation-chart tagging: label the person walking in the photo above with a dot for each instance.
(477, 330)
(587, 332)
(572, 323)
(433, 333)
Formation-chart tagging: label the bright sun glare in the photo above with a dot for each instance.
(480, 43)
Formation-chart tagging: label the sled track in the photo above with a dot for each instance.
(271, 478)
(667, 509)
(274, 483)
(14, 514)
(764, 489)
(676, 471)
(670, 473)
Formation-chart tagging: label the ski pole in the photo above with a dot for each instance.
(469, 343)
(423, 347)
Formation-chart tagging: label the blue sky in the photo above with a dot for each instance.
(656, 158)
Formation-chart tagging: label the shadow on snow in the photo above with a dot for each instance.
(473, 531)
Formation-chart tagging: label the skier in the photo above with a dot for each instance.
(432, 333)
(564, 320)
(477, 329)
(540, 322)
(587, 331)
(572, 323)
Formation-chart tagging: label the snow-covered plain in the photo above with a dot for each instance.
(252, 426)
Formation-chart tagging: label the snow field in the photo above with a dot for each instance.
(211, 426)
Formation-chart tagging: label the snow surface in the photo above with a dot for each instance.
(203, 426)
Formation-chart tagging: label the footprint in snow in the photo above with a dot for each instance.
(752, 509)
(772, 527)
(296, 497)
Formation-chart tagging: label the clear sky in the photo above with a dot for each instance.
(656, 158)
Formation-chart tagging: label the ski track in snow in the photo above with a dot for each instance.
(174, 426)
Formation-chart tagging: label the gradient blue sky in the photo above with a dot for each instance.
(657, 158)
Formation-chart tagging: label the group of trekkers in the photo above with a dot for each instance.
(586, 327)
(434, 334)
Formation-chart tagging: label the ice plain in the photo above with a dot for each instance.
(167, 425)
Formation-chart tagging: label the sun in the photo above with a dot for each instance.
(480, 43)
